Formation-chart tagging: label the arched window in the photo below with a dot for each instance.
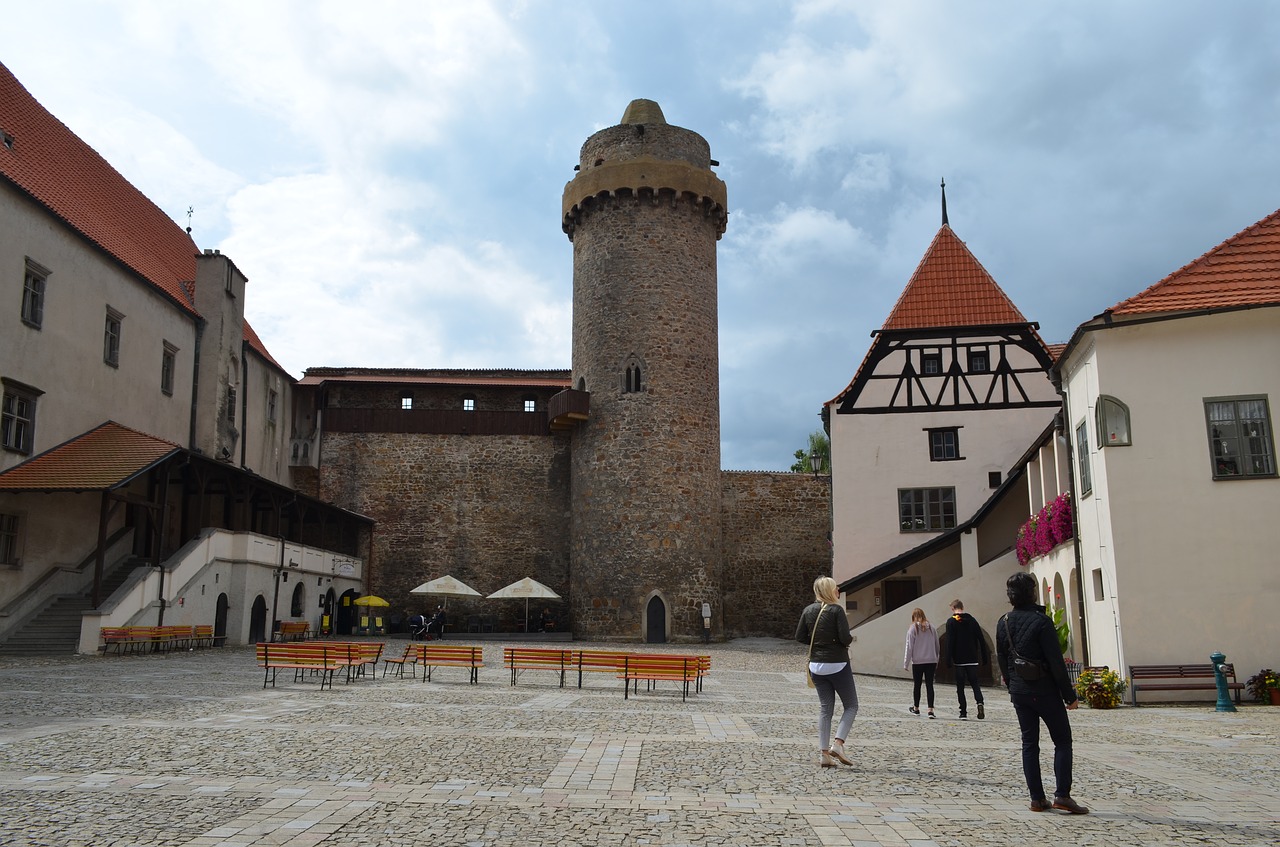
(632, 381)
(295, 608)
(1113, 423)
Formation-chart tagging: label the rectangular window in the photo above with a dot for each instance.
(1099, 593)
(406, 401)
(272, 399)
(1082, 450)
(944, 444)
(33, 286)
(531, 405)
(931, 363)
(9, 539)
(468, 404)
(978, 361)
(231, 404)
(1240, 441)
(168, 363)
(926, 509)
(993, 479)
(111, 338)
(18, 419)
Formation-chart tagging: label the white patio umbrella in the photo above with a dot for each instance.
(446, 586)
(527, 588)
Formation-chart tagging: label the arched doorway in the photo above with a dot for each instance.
(220, 621)
(655, 621)
(258, 620)
(345, 620)
(327, 603)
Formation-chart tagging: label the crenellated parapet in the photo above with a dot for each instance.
(645, 159)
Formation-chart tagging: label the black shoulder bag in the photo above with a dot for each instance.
(1030, 670)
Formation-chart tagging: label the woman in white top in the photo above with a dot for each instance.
(921, 657)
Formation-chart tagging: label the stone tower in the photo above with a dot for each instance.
(644, 214)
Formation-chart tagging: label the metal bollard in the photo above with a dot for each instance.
(1224, 694)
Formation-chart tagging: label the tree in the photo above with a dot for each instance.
(818, 443)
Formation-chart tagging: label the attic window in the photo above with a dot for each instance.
(6, 139)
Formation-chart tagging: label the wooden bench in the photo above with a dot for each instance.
(659, 667)
(1179, 678)
(355, 656)
(409, 658)
(203, 635)
(436, 655)
(293, 631)
(518, 659)
(302, 658)
(598, 661)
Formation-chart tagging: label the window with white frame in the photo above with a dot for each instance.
(18, 417)
(406, 401)
(111, 338)
(530, 403)
(926, 509)
(33, 287)
(1240, 442)
(468, 403)
(10, 539)
(944, 444)
(1082, 452)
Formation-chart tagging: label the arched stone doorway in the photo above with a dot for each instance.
(258, 620)
(655, 618)
(220, 621)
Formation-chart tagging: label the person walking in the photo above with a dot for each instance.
(966, 651)
(921, 658)
(824, 626)
(1040, 690)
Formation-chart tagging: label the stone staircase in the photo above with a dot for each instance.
(55, 630)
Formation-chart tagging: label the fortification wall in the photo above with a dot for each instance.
(775, 545)
(488, 510)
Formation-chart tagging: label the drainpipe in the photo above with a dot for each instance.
(195, 385)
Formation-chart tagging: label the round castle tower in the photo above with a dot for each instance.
(644, 213)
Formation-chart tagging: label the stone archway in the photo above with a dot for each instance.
(220, 621)
(258, 620)
(655, 620)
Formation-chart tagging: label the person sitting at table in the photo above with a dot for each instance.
(545, 623)
(436, 625)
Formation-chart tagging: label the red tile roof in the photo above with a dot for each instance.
(1244, 270)
(44, 159)
(951, 288)
(102, 458)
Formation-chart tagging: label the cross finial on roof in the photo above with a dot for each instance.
(190, 211)
(944, 202)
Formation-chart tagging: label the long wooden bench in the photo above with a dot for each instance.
(293, 631)
(1179, 678)
(598, 661)
(659, 667)
(517, 659)
(436, 655)
(302, 658)
(158, 639)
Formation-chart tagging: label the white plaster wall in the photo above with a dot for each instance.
(64, 358)
(1189, 559)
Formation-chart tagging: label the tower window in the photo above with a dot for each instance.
(633, 384)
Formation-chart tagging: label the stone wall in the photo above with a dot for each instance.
(776, 544)
(487, 510)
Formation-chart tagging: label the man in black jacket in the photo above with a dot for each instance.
(1039, 689)
(965, 650)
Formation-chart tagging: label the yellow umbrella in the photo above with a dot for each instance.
(370, 600)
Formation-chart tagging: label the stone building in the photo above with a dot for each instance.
(602, 482)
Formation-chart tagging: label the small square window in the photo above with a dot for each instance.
(406, 401)
(468, 404)
(931, 363)
(530, 405)
(944, 444)
(993, 479)
(33, 287)
(926, 509)
(979, 362)
(1113, 423)
(111, 338)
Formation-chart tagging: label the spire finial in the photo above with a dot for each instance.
(944, 202)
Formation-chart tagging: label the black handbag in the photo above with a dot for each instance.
(1030, 670)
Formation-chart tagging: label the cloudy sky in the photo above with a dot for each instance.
(388, 175)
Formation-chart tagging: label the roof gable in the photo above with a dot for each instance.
(951, 288)
(1242, 271)
(103, 458)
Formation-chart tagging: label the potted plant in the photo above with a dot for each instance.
(1264, 686)
(1101, 688)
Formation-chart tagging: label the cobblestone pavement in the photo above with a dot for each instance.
(189, 749)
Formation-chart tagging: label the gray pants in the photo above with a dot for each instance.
(828, 686)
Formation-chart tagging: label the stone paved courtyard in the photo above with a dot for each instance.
(188, 749)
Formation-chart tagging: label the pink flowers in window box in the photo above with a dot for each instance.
(1045, 530)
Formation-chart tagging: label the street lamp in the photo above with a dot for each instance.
(817, 459)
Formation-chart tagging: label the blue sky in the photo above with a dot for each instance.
(388, 175)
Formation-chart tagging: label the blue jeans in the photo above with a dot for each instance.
(828, 686)
(1031, 709)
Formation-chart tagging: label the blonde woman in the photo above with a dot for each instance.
(825, 628)
(921, 657)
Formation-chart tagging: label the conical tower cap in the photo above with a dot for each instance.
(643, 112)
